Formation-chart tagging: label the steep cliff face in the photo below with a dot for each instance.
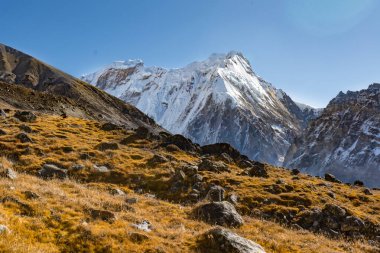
(220, 99)
(344, 140)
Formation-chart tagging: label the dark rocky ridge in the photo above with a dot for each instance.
(51, 90)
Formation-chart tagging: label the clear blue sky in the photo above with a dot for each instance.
(312, 49)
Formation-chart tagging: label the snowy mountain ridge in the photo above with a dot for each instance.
(219, 99)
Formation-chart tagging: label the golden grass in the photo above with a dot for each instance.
(61, 222)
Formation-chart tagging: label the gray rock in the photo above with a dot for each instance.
(367, 191)
(25, 128)
(107, 146)
(214, 166)
(224, 241)
(258, 171)
(295, 172)
(190, 170)
(4, 229)
(216, 193)
(219, 213)
(109, 127)
(23, 137)
(77, 167)
(102, 215)
(25, 116)
(131, 200)
(137, 237)
(156, 160)
(2, 113)
(334, 211)
(8, 173)
(197, 178)
(331, 178)
(352, 223)
(50, 171)
(31, 195)
(101, 169)
(117, 192)
(144, 226)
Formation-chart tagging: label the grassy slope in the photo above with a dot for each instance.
(60, 221)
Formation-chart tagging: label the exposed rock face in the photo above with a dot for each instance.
(25, 116)
(335, 220)
(344, 140)
(220, 213)
(49, 171)
(29, 84)
(220, 99)
(220, 240)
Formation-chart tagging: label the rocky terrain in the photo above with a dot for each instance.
(344, 140)
(219, 99)
(79, 185)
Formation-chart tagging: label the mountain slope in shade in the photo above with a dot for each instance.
(28, 83)
(220, 99)
(344, 140)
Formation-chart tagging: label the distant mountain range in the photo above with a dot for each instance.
(344, 140)
(219, 99)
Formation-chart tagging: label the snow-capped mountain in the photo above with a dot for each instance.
(344, 140)
(219, 99)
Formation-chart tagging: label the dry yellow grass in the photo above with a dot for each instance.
(61, 223)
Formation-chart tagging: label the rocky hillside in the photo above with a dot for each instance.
(344, 140)
(27, 83)
(76, 185)
(219, 99)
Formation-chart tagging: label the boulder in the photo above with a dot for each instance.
(358, 183)
(25, 116)
(216, 193)
(144, 226)
(4, 229)
(3, 113)
(107, 146)
(295, 172)
(258, 171)
(31, 195)
(109, 127)
(332, 210)
(214, 166)
(101, 169)
(49, 171)
(156, 160)
(331, 178)
(25, 128)
(218, 149)
(137, 237)
(220, 240)
(102, 215)
(116, 192)
(352, 224)
(23, 137)
(367, 191)
(8, 173)
(220, 213)
(190, 170)
(181, 142)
